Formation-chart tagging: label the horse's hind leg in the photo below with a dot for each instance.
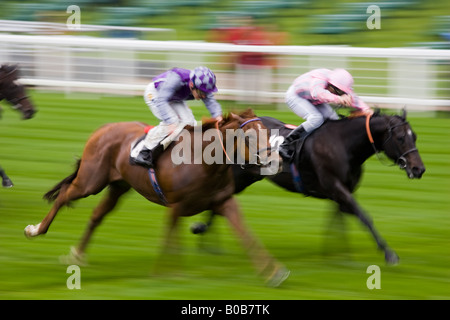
(273, 271)
(169, 259)
(67, 193)
(6, 181)
(108, 203)
(85, 184)
(335, 235)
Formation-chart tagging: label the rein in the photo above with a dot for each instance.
(241, 126)
(401, 160)
(369, 135)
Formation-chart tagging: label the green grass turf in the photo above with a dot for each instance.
(412, 215)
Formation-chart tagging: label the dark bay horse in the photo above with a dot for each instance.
(188, 188)
(329, 165)
(14, 92)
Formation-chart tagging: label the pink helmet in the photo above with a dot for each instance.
(341, 79)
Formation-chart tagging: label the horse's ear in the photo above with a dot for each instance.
(376, 112)
(248, 113)
(404, 113)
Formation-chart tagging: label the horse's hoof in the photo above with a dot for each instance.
(31, 231)
(199, 228)
(74, 257)
(7, 183)
(278, 277)
(391, 258)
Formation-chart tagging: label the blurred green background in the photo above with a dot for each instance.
(305, 22)
(412, 215)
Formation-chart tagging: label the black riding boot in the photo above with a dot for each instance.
(147, 157)
(144, 158)
(287, 148)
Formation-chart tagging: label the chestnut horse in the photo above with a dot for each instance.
(186, 188)
(14, 92)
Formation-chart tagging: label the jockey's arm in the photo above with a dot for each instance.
(166, 92)
(360, 105)
(319, 93)
(214, 108)
(361, 108)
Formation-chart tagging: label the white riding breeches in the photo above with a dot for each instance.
(179, 111)
(314, 115)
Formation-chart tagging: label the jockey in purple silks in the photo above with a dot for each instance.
(309, 97)
(166, 97)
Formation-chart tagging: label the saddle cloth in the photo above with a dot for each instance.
(137, 145)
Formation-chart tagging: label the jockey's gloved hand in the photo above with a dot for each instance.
(346, 100)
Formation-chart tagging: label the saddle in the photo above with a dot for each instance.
(284, 130)
(296, 146)
(139, 155)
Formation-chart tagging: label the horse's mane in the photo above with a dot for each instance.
(210, 123)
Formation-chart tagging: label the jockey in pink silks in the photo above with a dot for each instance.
(309, 97)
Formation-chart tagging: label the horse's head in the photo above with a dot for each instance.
(252, 143)
(400, 145)
(14, 92)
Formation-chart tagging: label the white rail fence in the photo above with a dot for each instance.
(388, 77)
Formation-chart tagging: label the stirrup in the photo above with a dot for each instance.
(144, 158)
(286, 152)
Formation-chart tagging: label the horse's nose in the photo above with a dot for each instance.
(418, 171)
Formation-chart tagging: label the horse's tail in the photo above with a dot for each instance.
(51, 195)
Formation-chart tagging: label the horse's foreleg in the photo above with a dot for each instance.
(348, 204)
(6, 181)
(274, 272)
(202, 227)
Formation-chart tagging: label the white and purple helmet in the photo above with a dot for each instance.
(203, 79)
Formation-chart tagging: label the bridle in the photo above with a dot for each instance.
(401, 160)
(15, 102)
(240, 127)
